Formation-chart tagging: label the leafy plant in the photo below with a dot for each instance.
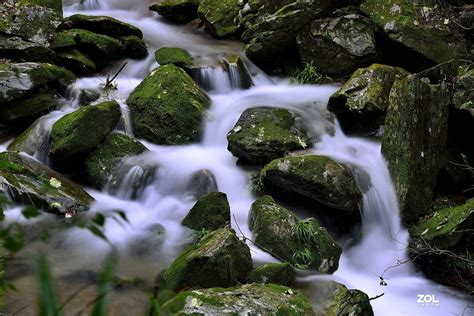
(48, 304)
(303, 257)
(309, 75)
(105, 286)
(305, 231)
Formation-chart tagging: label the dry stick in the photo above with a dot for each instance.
(108, 82)
(20, 310)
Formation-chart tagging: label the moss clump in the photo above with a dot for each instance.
(273, 230)
(220, 17)
(101, 24)
(210, 212)
(77, 62)
(175, 56)
(277, 273)
(100, 163)
(181, 11)
(79, 132)
(167, 107)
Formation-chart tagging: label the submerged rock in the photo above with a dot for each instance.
(167, 107)
(181, 11)
(210, 212)
(175, 56)
(30, 182)
(302, 243)
(219, 259)
(263, 134)
(220, 17)
(249, 299)
(362, 102)
(316, 177)
(338, 46)
(276, 273)
(78, 133)
(100, 163)
(202, 183)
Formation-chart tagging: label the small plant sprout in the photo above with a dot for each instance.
(303, 257)
(305, 231)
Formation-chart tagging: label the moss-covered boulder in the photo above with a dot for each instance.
(219, 259)
(316, 177)
(239, 74)
(338, 46)
(55, 5)
(442, 246)
(105, 25)
(29, 109)
(263, 134)
(167, 107)
(135, 47)
(276, 273)
(30, 182)
(415, 135)
(210, 212)
(181, 11)
(175, 56)
(362, 102)
(220, 17)
(253, 299)
(77, 61)
(19, 50)
(420, 26)
(304, 243)
(100, 163)
(78, 133)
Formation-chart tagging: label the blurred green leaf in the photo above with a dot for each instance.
(99, 219)
(97, 231)
(48, 304)
(30, 212)
(105, 285)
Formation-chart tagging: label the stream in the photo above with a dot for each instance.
(164, 201)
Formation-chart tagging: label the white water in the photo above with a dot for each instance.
(166, 200)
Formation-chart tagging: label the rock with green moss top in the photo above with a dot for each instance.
(420, 26)
(100, 163)
(181, 11)
(17, 49)
(249, 299)
(220, 17)
(304, 244)
(219, 259)
(338, 46)
(276, 273)
(135, 47)
(167, 107)
(316, 177)
(28, 109)
(442, 246)
(361, 103)
(56, 5)
(77, 62)
(263, 134)
(78, 133)
(240, 75)
(30, 182)
(21, 80)
(105, 25)
(414, 137)
(32, 139)
(175, 56)
(210, 212)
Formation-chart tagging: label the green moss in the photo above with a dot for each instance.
(30, 108)
(52, 75)
(77, 62)
(348, 302)
(220, 17)
(173, 55)
(104, 25)
(277, 273)
(210, 212)
(56, 5)
(135, 47)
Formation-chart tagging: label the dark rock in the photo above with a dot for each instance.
(135, 47)
(181, 11)
(100, 24)
(202, 183)
(210, 212)
(29, 109)
(276, 273)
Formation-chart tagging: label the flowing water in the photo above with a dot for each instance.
(153, 188)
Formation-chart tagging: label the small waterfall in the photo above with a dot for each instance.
(214, 79)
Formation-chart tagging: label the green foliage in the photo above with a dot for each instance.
(305, 231)
(48, 304)
(200, 234)
(309, 75)
(105, 285)
(304, 257)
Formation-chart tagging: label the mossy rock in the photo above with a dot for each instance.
(135, 47)
(316, 177)
(21, 80)
(276, 273)
(338, 46)
(78, 133)
(253, 299)
(77, 62)
(235, 65)
(220, 17)
(175, 56)
(29, 109)
(100, 163)
(17, 49)
(167, 107)
(210, 212)
(219, 259)
(30, 182)
(263, 134)
(304, 244)
(31, 140)
(362, 102)
(181, 11)
(105, 25)
(419, 26)
(56, 5)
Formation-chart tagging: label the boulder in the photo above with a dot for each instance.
(181, 11)
(263, 134)
(239, 74)
(77, 62)
(100, 163)
(338, 46)
(276, 273)
(316, 177)
(220, 17)
(442, 245)
(219, 259)
(55, 5)
(32, 139)
(30, 182)
(167, 107)
(29, 109)
(100, 24)
(175, 56)
(135, 47)
(210, 212)
(17, 49)
(202, 183)
(78, 133)
(249, 299)
(420, 26)
(362, 102)
(304, 243)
